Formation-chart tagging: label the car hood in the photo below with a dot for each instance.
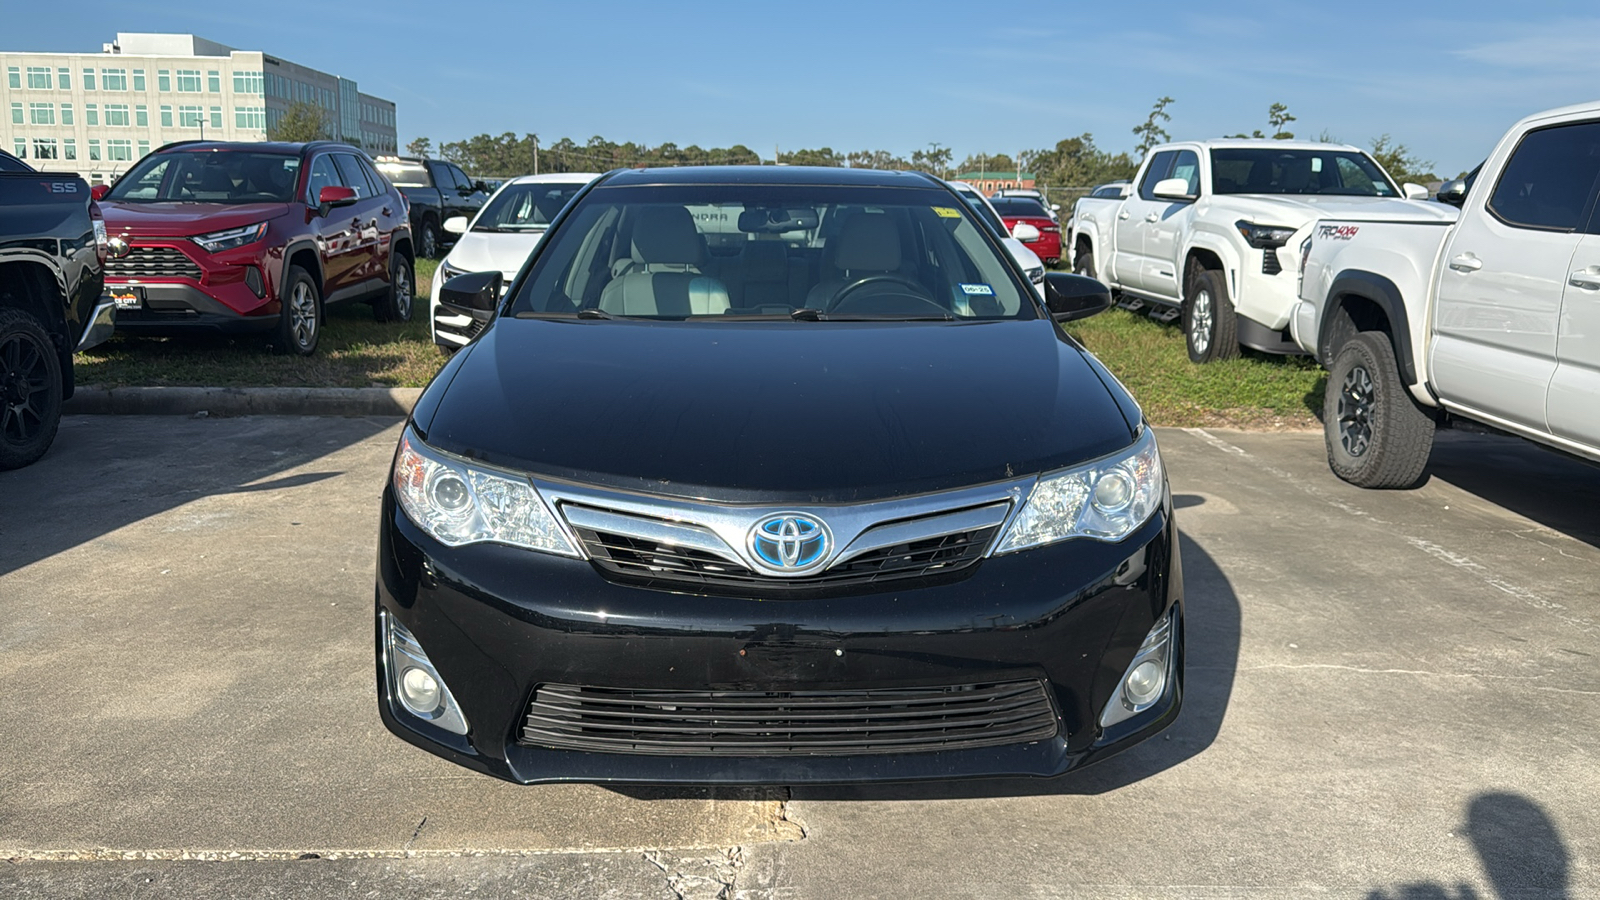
(183, 219)
(1295, 211)
(802, 412)
(491, 251)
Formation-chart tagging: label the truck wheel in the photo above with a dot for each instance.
(30, 389)
(1083, 261)
(395, 306)
(300, 321)
(1377, 435)
(1209, 324)
(428, 240)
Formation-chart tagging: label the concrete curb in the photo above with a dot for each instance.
(220, 401)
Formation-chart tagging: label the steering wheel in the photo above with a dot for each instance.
(844, 291)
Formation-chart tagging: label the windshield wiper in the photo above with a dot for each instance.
(593, 312)
(808, 314)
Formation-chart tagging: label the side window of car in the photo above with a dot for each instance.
(379, 184)
(350, 173)
(463, 183)
(441, 176)
(1157, 170)
(323, 174)
(1549, 179)
(1186, 165)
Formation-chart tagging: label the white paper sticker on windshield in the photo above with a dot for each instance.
(977, 290)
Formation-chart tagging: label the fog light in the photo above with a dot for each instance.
(1143, 684)
(420, 691)
(1145, 680)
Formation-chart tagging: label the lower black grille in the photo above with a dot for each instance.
(788, 723)
(1270, 264)
(639, 561)
(153, 262)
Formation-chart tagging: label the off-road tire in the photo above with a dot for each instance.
(398, 303)
(300, 320)
(428, 239)
(1377, 435)
(1083, 261)
(1210, 326)
(30, 389)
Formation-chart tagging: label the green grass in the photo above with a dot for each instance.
(1254, 391)
(1257, 390)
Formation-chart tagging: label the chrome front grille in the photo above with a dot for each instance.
(153, 262)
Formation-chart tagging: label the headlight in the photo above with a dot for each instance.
(1104, 500)
(1264, 237)
(218, 241)
(458, 503)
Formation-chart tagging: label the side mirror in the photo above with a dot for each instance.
(1174, 189)
(480, 186)
(1024, 232)
(1453, 192)
(1055, 207)
(478, 291)
(1070, 296)
(334, 196)
(1414, 191)
(456, 224)
(100, 191)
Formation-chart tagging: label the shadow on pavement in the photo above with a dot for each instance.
(1521, 850)
(105, 472)
(1211, 623)
(1550, 488)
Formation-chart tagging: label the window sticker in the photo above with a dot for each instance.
(977, 290)
(945, 212)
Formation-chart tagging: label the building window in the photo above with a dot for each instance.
(253, 117)
(138, 79)
(214, 82)
(91, 114)
(64, 78)
(166, 117)
(188, 81)
(69, 148)
(16, 113)
(216, 117)
(141, 116)
(44, 148)
(113, 79)
(247, 83)
(66, 113)
(42, 114)
(88, 79)
(94, 149)
(14, 78)
(119, 149)
(117, 115)
(163, 80)
(190, 116)
(39, 78)
(19, 148)
(144, 149)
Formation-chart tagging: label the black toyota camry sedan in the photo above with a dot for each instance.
(775, 475)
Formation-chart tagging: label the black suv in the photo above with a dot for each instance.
(437, 191)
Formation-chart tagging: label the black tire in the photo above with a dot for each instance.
(428, 239)
(300, 321)
(30, 389)
(1378, 436)
(1083, 261)
(1210, 327)
(397, 304)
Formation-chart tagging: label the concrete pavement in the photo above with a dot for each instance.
(1390, 695)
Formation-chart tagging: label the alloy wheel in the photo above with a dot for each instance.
(24, 377)
(430, 244)
(402, 292)
(1200, 316)
(1355, 411)
(303, 315)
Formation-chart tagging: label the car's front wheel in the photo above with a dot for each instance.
(1083, 261)
(30, 389)
(1209, 323)
(428, 239)
(300, 321)
(1377, 435)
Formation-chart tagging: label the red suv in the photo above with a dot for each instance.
(255, 238)
(1028, 210)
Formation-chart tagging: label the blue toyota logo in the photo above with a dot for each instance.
(789, 542)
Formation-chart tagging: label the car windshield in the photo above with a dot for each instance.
(981, 210)
(1267, 170)
(526, 205)
(1019, 206)
(227, 176)
(785, 252)
(402, 173)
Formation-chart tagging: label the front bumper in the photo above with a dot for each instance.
(174, 308)
(498, 622)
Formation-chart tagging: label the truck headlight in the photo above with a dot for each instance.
(458, 503)
(218, 241)
(1264, 237)
(1104, 500)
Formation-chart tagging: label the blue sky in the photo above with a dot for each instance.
(1444, 78)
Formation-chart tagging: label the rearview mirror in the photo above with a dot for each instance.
(1414, 191)
(1453, 192)
(334, 196)
(1024, 232)
(475, 291)
(1070, 297)
(1173, 189)
(456, 224)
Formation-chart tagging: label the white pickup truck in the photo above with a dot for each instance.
(1493, 318)
(1199, 230)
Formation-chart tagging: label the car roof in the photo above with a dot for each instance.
(772, 175)
(258, 146)
(556, 177)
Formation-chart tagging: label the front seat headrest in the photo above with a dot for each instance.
(665, 235)
(868, 242)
